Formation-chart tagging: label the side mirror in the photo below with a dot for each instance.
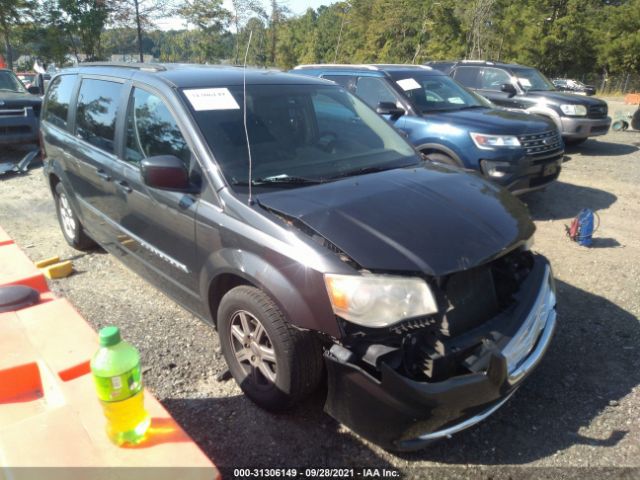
(508, 88)
(35, 90)
(166, 172)
(390, 108)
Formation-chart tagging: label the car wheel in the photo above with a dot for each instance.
(70, 225)
(441, 158)
(275, 364)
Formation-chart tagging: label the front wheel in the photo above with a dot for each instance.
(70, 225)
(440, 158)
(275, 364)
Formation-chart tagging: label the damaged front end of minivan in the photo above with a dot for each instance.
(408, 384)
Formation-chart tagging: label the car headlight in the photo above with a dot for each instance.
(489, 142)
(574, 110)
(379, 300)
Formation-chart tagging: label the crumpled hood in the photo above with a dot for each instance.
(431, 219)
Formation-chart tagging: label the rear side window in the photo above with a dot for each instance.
(59, 96)
(346, 81)
(152, 130)
(467, 76)
(98, 102)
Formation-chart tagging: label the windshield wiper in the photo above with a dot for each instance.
(365, 170)
(469, 107)
(285, 179)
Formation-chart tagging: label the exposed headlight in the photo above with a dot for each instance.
(494, 169)
(379, 300)
(574, 110)
(488, 142)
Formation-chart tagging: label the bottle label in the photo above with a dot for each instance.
(119, 387)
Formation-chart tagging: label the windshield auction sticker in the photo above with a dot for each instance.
(408, 84)
(211, 99)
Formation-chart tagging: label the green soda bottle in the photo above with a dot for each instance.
(116, 371)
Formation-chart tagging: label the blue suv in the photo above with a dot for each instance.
(450, 124)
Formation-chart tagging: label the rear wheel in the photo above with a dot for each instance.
(70, 225)
(275, 364)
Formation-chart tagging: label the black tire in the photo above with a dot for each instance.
(298, 362)
(72, 229)
(572, 142)
(635, 120)
(441, 158)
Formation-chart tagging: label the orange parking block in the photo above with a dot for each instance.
(17, 269)
(5, 239)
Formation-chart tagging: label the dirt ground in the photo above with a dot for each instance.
(577, 416)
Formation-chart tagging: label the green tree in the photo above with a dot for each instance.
(12, 13)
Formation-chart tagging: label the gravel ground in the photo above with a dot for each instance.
(577, 416)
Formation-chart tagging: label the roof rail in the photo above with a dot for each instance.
(410, 65)
(150, 67)
(323, 65)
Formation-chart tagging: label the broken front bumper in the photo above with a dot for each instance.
(398, 413)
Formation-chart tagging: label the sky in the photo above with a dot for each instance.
(297, 7)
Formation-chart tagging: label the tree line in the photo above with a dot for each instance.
(560, 37)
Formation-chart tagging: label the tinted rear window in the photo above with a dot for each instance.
(98, 102)
(59, 96)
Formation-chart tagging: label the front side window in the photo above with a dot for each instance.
(346, 81)
(437, 93)
(58, 98)
(312, 133)
(152, 130)
(97, 112)
(493, 79)
(374, 90)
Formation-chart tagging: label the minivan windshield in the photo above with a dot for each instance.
(531, 79)
(437, 93)
(298, 135)
(10, 83)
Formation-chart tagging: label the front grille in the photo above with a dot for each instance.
(11, 112)
(537, 144)
(598, 111)
(15, 130)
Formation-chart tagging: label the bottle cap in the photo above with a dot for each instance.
(109, 336)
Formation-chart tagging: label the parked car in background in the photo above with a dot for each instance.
(525, 88)
(449, 124)
(573, 86)
(19, 110)
(311, 234)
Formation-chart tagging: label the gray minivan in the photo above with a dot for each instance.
(316, 240)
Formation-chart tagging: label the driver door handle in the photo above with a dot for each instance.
(124, 186)
(103, 175)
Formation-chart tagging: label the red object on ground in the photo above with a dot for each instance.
(632, 99)
(49, 413)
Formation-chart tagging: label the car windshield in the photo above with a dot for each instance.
(10, 83)
(298, 135)
(437, 93)
(531, 79)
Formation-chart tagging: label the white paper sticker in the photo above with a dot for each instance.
(408, 84)
(524, 82)
(211, 99)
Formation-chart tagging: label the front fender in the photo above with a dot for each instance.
(299, 291)
(547, 112)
